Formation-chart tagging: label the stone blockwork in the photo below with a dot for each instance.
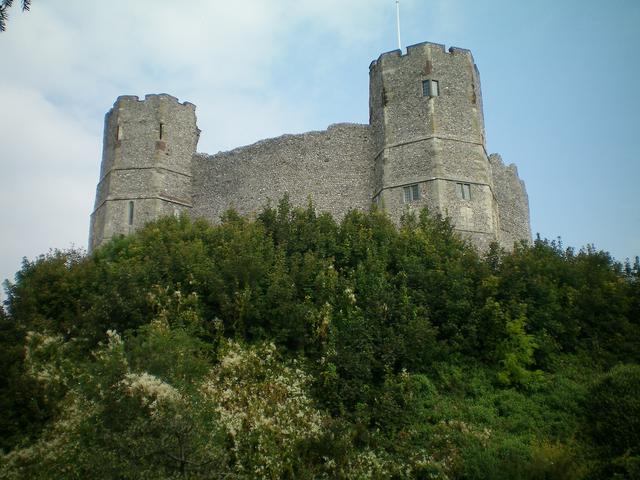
(422, 148)
(146, 164)
(433, 138)
(333, 169)
(513, 202)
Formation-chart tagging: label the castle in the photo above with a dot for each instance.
(424, 146)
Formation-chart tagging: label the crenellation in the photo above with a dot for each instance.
(462, 51)
(385, 57)
(152, 96)
(127, 98)
(424, 146)
(419, 48)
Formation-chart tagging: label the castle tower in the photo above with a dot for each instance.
(146, 164)
(426, 112)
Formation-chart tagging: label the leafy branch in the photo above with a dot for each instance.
(4, 7)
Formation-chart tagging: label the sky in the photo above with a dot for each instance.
(559, 82)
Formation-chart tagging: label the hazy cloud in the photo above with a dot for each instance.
(48, 176)
(258, 68)
(64, 63)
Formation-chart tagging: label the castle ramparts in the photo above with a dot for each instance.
(424, 146)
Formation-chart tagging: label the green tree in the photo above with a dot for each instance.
(612, 412)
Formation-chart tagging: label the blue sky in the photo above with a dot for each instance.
(558, 78)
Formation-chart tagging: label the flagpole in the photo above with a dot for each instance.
(398, 23)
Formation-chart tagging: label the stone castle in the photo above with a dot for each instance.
(424, 146)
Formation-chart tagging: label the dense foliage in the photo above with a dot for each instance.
(291, 346)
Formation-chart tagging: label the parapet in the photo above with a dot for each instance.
(418, 49)
(132, 107)
(496, 161)
(150, 98)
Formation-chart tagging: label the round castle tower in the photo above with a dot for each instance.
(146, 164)
(426, 112)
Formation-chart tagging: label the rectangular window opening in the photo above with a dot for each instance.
(430, 88)
(118, 133)
(161, 130)
(435, 88)
(464, 191)
(411, 193)
(130, 213)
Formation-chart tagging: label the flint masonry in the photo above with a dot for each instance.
(424, 146)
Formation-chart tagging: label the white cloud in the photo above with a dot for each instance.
(254, 68)
(200, 41)
(64, 63)
(49, 170)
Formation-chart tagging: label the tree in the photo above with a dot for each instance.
(612, 411)
(6, 4)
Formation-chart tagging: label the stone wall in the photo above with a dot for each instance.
(147, 154)
(513, 203)
(435, 142)
(334, 168)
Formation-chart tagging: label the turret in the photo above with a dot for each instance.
(146, 164)
(426, 112)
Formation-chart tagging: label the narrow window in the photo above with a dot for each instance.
(464, 191)
(407, 194)
(161, 130)
(415, 192)
(430, 88)
(411, 193)
(130, 213)
(435, 88)
(425, 88)
(118, 133)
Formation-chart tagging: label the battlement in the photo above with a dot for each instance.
(343, 128)
(150, 98)
(392, 56)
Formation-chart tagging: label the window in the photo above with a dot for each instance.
(118, 132)
(464, 191)
(411, 193)
(430, 88)
(161, 130)
(130, 213)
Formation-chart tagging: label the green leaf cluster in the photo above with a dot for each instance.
(421, 358)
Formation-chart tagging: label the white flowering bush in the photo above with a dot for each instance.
(248, 415)
(264, 407)
(117, 422)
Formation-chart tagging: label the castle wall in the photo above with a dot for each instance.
(333, 167)
(513, 203)
(422, 148)
(434, 141)
(455, 113)
(146, 164)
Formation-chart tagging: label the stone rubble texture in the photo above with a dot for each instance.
(150, 164)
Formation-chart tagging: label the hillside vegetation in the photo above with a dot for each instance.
(291, 346)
